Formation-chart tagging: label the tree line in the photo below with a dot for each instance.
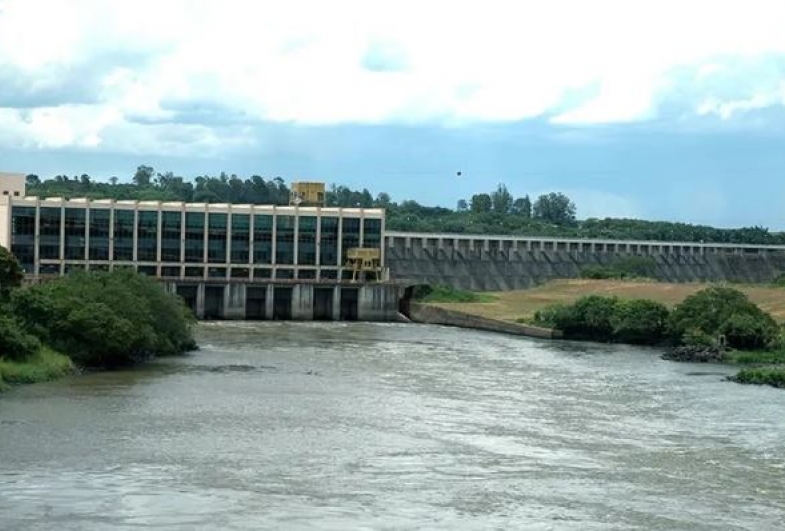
(492, 212)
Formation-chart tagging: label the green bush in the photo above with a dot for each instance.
(779, 281)
(15, 343)
(106, 319)
(746, 331)
(640, 322)
(774, 376)
(625, 268)
(42, 366)
(720, 311)
(552, 316)
(588, 318)
(439, 293)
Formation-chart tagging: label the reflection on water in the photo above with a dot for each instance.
(388, 426)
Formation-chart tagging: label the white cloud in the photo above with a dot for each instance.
(307, 62)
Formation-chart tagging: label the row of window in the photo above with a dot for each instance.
(200, 235)
(210, 272)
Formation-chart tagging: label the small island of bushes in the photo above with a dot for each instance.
(95, 320)
(718, 324)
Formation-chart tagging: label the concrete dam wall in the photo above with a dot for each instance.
(500, 270)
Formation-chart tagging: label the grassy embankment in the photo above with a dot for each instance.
(43, 366)
(514, 305)
(758, 367)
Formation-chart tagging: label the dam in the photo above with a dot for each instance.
(306, 261)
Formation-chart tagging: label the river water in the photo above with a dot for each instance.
(388, 426)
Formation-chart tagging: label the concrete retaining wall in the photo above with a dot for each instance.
(427, 314)
(509, 270)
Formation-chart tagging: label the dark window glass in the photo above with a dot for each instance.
(350, 235)
(284, 240)
(75, 236)
(216, 239)
(372, 233)
(262, 272)
(99, 234)
(194, 272)
(194, 237)
(170, 271)
(263, 239)
(328, 246)
(306, 274)
(49, 242)
(23, 236)
(171, 225)
(124, 235)
(306, 241)
(241, 226)
(284, 273)
(147, 236)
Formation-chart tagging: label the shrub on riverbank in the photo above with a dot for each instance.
(105, 319)
(774, 376)
(723, 312)
(633, 267)
(42, 366)
(440, 293)
(608, 319)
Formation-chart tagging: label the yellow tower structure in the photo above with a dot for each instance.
(307, 194)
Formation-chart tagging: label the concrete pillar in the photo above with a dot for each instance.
(234, 301)
(302, 302)
(336, 303)
(200, 300)
(269, 302)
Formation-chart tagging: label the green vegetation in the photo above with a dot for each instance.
(779, 281)
(632, 267)
(702, 327)
(608, 319)
(42, 366)
(497, 212)
(102, 320)
(448, 294)
(774, 376)
(723, 312)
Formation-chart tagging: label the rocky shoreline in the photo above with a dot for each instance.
(696, 354)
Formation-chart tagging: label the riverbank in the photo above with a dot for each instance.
(43, 366)
(708, 324)
(523, 304)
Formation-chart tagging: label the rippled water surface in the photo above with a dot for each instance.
(386, 426)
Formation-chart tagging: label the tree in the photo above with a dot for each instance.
(522, 207)
(113, 179)
(143, 176)
(32, 180)
(382, 200)
(501, 200)
(481, 203)
(11, 273)
(462, 205)
(554, 208)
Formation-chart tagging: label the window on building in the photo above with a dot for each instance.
(306, 241)
(194, 237)
(99, 234)
(23, 236)
(241, 238)
(171, 230)
(75, 235)
(49, 239)
(284, 240)
(216, 237)
(372, 233)
(262, 239)
(350, 235)
(147, 236)
(123, 235)
(328, 247)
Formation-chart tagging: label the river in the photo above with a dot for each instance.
(387, 426)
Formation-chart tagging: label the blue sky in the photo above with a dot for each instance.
(639, 109)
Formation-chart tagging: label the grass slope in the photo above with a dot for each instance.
(512, 305)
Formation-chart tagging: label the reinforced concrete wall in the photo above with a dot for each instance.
(428, 314)
(295, 301)
(508, 270)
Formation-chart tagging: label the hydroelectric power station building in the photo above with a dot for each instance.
(226, 260)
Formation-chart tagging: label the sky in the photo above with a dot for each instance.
(650, 109)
